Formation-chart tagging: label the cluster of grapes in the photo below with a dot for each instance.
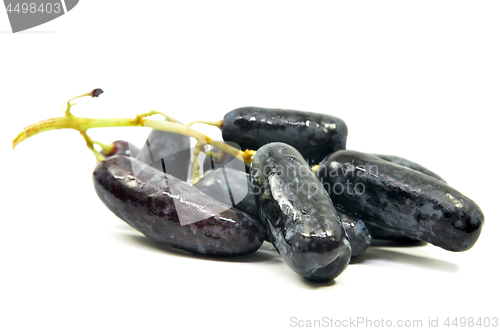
(317, 217)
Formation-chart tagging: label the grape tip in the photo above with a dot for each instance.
(96, 92)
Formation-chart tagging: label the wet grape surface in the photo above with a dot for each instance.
(147, 203)
(357, 232)
(297, 213)
(314, 135)
(402, 200)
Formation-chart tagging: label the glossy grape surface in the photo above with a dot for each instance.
(357, 232)
(147, 203)
(383, 234)
(297, 213)
(401, 199)
(313, 135)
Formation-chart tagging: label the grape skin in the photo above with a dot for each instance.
(313, 135)
(409, 164)
(214, 184)
(402, 200)
(357, 232)
(146, 203)
(383, 234)
(303, 225)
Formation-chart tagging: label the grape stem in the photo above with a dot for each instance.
(217, 124)
(82, 124)
(214, 155)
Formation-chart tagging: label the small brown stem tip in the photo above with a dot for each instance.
(96, 92)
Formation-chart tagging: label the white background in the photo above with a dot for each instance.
(418, 79)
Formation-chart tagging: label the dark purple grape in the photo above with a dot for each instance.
(379, 233)
(172, 212)
(409, 164)
(313, 135)
(122, 147)
(400, 199)
(297, 213)
(357, 233)
(231, 187)
(168, 152)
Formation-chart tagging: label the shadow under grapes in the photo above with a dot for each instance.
(128, 235)
(420, 261)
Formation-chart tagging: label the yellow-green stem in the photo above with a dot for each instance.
(196, 166)
(72, 122)
(214, 155)
(212, 123)
(82, 124)
(90, 145)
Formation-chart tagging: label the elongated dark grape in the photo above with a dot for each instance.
(297, 213)
(357, 232)
(383, 234)
(313, 135)
(231, 187)
(379, 233)
(122, 147)
(153, 203)
(401, 199)
(168, 152)
(409, 164)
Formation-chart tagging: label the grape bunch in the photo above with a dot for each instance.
(293, 184)
(316, 221)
